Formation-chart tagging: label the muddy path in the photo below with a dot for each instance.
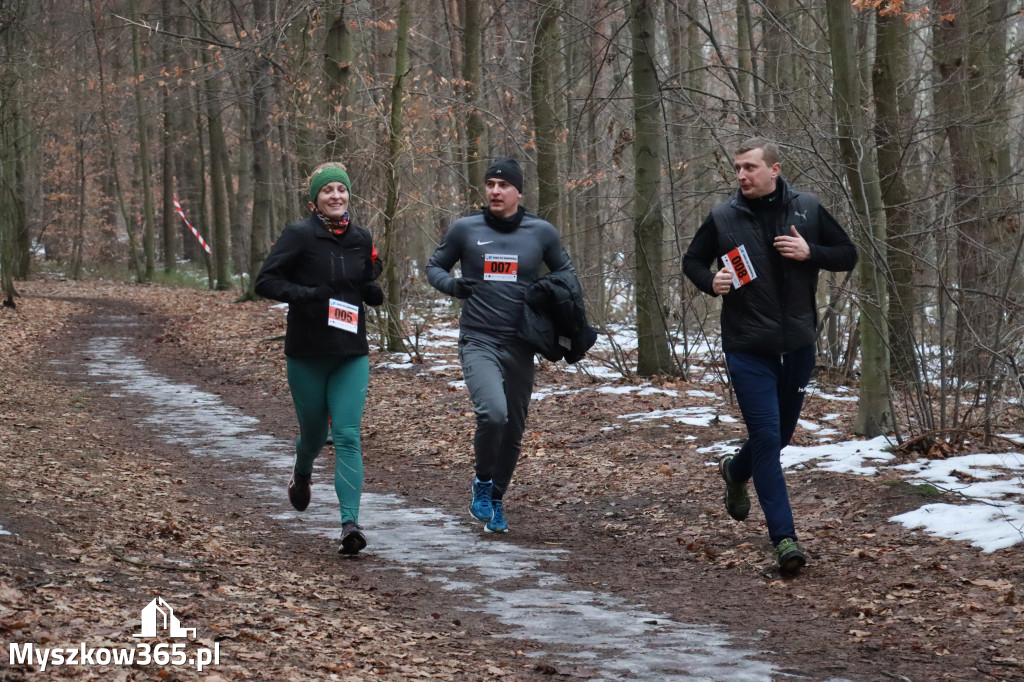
(621, 562)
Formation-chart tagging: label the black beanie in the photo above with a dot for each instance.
(506, 169)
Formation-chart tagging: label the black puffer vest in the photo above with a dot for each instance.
(776, 312)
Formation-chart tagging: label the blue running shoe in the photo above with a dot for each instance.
(497, 524)
(481, 507)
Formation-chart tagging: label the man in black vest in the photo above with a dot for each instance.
(771, 241)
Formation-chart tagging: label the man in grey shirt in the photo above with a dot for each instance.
(500, 251)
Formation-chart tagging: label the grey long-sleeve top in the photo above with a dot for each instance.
(504, 263)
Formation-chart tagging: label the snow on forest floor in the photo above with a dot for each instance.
(991, 484)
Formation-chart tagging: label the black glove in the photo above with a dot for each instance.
(373, 294)
(323, 292)
(463, 288)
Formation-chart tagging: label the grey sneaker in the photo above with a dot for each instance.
(300, 491)
(352, 539)
(789, 557)
(737, 501)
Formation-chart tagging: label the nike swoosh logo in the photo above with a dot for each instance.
(480, 243)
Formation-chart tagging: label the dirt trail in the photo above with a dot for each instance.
(97, 505)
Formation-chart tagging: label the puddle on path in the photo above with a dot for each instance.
(619, 639)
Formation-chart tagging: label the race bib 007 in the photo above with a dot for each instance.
(343, 316)
(500, 267)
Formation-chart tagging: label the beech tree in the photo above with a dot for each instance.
(546, 124)
(392, 237)
(262, 91)
(145, 166)
(873, 413)
(471, 74)
(15, 68)
(653, 355)
(894, 109)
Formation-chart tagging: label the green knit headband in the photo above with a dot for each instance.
(326, 175)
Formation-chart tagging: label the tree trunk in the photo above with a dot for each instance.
(546, 126)
(776, 17)
(187, 167)
(288, 207)
(14, 72)
(80, 180)
(745, 74)
(972, 98)
(219, 177)
(340, 97)
(201, 219)
(171, 136)
(653, 356)
(262, 202)
(874, 416)
(145, 165)
(591, 264)
(394, 337)
(133, 255)
(241, 208)
(169, 217)
(476, 165)
(892, 132)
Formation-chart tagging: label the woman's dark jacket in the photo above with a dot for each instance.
(776, 312)
(554, 319)
(308, 265)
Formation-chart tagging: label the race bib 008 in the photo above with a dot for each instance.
(343, 316)
(741, 266)
(500, 267)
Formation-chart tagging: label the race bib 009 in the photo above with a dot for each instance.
(500, 267)
(343, 316)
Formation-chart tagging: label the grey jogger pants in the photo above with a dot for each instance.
(499, 375)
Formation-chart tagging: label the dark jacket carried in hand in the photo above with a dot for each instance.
(776, 312)
(306, 267)
(554, 320)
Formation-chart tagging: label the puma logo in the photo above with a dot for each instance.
(480, 243)
(803, 216)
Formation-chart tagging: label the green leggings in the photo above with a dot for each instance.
(332, 387)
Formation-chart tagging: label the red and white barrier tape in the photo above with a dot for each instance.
(177, 207)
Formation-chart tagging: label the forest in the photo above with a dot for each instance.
(142, 138)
